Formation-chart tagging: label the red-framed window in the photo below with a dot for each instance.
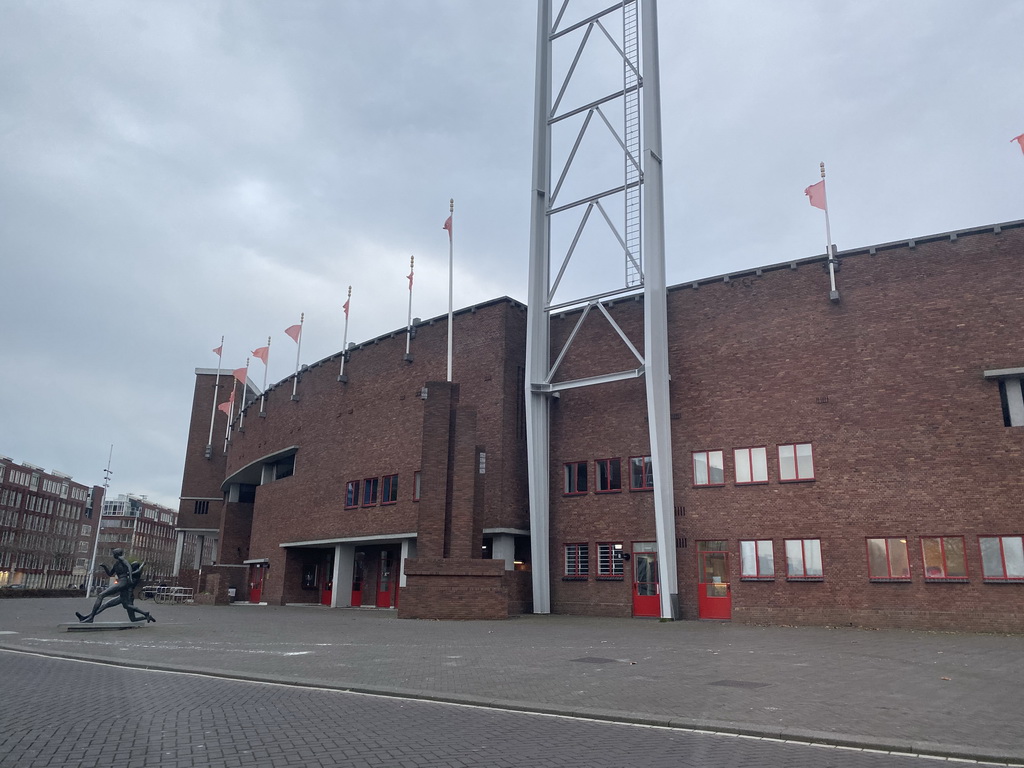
(417, 480)
(577, 561)
(389, 489)
(609, 559)
(1002, 558)
(944, 558)
(796, 462)
(370, 487)
(575, 478)
(888, 559)
(641, 476)
(351, 494)
(757, 559)
(708, 468)
(751, 465)
(803, 560)
(609, 475)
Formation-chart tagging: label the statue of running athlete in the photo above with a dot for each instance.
(121, 591)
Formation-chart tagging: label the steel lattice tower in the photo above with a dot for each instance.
(624, 112)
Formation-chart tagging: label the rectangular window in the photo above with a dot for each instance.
(1011, 396)
(417, 477)
(609, 559)
(888, 559)
(351, 494)
(370, 487)
(708, 468)
(796, 462)
(641, 478)
(577, 560)
(575, 478)
(944, 558)
(389, 493)
(609, 475)
(1002, 558)
(202, 507)
(757, 559)
(803, 559)
(751, 465)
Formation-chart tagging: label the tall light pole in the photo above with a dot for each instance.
(99, 523)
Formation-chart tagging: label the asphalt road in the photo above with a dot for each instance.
(79, 714)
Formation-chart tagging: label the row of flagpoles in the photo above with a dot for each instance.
(815, 194)
(241, 375)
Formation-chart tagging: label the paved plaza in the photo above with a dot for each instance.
(948, 694)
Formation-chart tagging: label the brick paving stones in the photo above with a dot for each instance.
(956, 694)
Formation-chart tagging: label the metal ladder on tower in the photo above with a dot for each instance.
(631, 83)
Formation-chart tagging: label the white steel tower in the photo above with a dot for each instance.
(602, 131)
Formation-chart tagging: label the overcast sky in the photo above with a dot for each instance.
(171, 172)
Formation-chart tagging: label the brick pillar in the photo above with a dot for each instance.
(437, 432)
(466, 531)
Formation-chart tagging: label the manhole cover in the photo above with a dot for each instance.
(596, 660)
(739, 684)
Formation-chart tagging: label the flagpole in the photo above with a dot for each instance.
(295, 384)
(834, 295)
(408, 327)
(451, 270)
(216, 391)
(344, 340)
(231, 413)
(266, 369)
(245, 386)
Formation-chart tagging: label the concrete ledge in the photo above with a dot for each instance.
(101, 626)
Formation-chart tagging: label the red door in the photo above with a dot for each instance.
(646, 591)
(714, 593)
(357, 580)
(326, 583)
(255, 583)
(385, 579)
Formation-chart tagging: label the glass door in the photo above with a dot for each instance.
(714, 593)
(646, 589)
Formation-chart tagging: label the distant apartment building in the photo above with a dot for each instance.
(144, 530)
(46, 526)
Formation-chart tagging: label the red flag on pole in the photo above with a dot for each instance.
(345, 306)
(816, 194)
(294, 332)
(262, 353)
(410, 278)
(218, 350)
(1019, 140)
(448, 225)
(241, 374)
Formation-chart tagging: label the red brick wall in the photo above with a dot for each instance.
(887, 385)
(373, 426)
(203, 476)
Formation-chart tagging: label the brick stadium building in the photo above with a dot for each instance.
(852, 462)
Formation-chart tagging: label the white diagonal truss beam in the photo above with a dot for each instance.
(639, 237)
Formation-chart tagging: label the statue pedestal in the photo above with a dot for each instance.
(101, 626)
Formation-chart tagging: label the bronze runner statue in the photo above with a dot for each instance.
(121, 592)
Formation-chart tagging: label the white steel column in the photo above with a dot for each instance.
(656, 318)
(538, 360)
(638, 239)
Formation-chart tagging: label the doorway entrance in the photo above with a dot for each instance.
(387, 592)
(646, 589)
(714, 593)
(256, 575)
